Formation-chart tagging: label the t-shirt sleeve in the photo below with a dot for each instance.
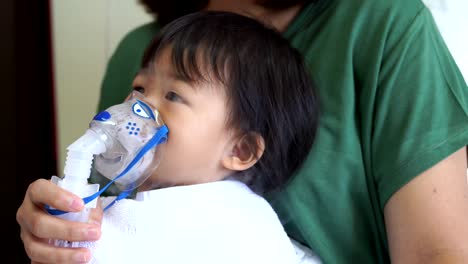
(124, 64)
(421, 107)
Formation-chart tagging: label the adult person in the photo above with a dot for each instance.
(386, 180)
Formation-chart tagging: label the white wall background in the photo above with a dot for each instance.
(85, 33)
(451, 17)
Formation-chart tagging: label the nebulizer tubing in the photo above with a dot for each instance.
(158, 138)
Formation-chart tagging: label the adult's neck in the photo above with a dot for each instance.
(278, 18)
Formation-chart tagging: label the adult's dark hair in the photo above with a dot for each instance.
(268, 87)
(166, 11)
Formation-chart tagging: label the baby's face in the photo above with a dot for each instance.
(195, 114)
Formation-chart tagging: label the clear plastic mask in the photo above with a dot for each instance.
(127, 130)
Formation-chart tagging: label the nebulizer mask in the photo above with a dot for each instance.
(133, 133)
(126, 142)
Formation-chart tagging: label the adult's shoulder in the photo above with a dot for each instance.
(140, 36)
(379, 8)
(131, 47)
(324, 12)
(144, 29)
(351, 22)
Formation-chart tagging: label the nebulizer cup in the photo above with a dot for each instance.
(126, 142)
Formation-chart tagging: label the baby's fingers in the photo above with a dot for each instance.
(43, 192)
(40, 251)
(96, 214)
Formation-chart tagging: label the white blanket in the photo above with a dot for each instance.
(220, 222)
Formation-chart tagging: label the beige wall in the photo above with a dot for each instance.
(85, 33)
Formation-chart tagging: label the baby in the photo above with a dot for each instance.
(242, 116)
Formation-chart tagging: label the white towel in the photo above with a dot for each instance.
(220, 222)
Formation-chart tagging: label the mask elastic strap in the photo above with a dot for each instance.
(158, 138)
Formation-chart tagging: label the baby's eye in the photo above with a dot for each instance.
(139, 89)
(172, 96)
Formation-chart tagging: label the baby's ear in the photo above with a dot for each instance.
(246, 151)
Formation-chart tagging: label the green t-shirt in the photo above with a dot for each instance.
(393, 104)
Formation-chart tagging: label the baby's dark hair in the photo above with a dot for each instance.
(268, 88)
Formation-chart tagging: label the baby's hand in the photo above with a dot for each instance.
(38, 228)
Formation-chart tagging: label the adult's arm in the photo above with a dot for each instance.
(420, 132)
(427, 219)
